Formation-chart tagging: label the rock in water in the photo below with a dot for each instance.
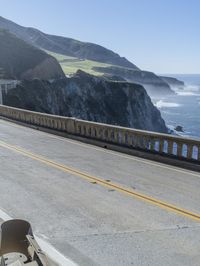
(179, 128)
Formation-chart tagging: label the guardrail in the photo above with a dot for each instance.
(163, 144)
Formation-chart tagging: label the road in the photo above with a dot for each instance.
(99, 207)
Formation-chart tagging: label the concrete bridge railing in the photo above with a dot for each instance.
(163, 144)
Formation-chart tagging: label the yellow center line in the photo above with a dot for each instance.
(117, 187)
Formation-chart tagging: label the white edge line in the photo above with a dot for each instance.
(4, 216)
(45, 246)
(53, 253)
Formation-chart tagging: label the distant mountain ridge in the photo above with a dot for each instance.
(91, 58)
(151, 82)
(64, 45)
(19, 60)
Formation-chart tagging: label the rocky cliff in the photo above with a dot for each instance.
(19, 60)
(173, 82)
(87, 97)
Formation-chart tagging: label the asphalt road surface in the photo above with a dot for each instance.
(99, 207)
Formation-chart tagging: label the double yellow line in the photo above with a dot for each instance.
(108, 184)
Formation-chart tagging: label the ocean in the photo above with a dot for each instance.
(183, 109)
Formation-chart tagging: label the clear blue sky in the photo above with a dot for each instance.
(158, 35)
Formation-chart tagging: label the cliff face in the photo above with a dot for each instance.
(86, 97)
(19, 60)
(173, 82)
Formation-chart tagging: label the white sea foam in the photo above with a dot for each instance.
(189, 90)
(187, 93)
(192, 88)
(162, 104)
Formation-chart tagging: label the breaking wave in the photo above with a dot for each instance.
(187, 93)
(162, 104)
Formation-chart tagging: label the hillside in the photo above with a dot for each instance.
(70, 65)
(153, 84)
(90, 98)
(64, 45)
(19, 60)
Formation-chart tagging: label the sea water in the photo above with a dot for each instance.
(183, 109)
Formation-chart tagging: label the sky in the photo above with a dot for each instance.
(162, 36)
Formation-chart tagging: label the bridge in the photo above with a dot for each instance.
(6, 85)
(101, 195)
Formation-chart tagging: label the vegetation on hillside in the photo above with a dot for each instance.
(71, 65)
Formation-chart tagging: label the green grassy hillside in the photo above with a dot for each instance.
(70, 65)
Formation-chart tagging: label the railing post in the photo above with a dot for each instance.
(134, 142)
(152, 144)
(189, 151)
(161, 145)
(170, 147)
(179, 149)
(129, 139)
(122, 137)
(110, 134)
(142, 142)
(115, 136)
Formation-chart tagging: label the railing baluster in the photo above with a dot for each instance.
(145, 143)
(123, 137)
(134, 140)
(142, 142)
(152, 144)
(129, 139)
(137, 141)
(179, 149)
(170, 147)
(189, 151)
(161, 145)
(116, 136)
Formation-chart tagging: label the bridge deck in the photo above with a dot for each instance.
(99, 207)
